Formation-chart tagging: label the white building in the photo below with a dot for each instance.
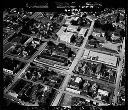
(103, 92)
(86, 53)
(72, 28)
(82, 32)
(78, 79)
(76, 18)
(114, 37)
(66, 36)
(73, 91)
(107, 59)
(104, 58)
(111, 46)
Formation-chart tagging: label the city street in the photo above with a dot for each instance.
(70, 73)
(71, 53)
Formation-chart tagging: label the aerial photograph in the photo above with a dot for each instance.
(64, 54)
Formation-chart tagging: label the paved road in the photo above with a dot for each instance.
(74, 63)
(80, 53)
(26, 61)
(119, 73)
(70, 73)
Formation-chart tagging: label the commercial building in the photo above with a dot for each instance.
(100, 57)
(66, 36)
(111, 46)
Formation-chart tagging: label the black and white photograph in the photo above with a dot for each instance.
(64, 55)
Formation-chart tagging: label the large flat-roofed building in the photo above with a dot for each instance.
(100, 57)
(111, 46)
(107, 59)
(66, 36)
